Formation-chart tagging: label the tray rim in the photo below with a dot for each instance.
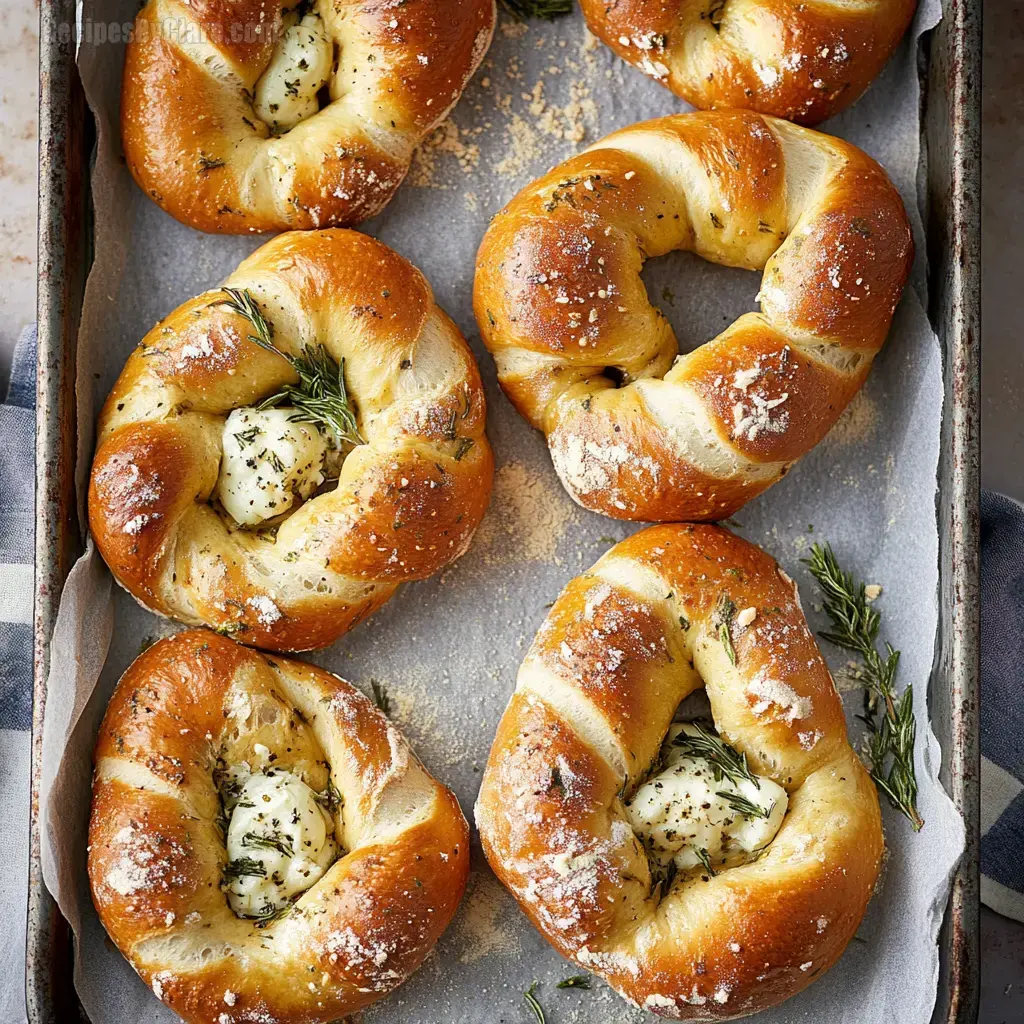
(951, 120)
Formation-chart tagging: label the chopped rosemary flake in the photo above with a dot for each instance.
(576, 981)
(465, 443)
(243, 867)
(702, 856)
(531, 1002)
(888, 717)
(723, 616)
(273, 841)
(726, 761)
(330, 799)
(246, 437)
(741, 805)
(380, 696)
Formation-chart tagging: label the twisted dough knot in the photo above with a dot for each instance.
(190, 714)
(622, 646)
(801, 61)
(406, 502)
(221, 114)
(636, 431)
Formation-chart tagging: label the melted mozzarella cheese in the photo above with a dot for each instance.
(279, 843)
(268, 461)
(299, 67)
(682, 811)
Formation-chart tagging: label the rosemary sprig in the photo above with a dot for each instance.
(741, 805)
(521, 10)
(243, 867)
(722, 616)
(320, 396)
(275, 841)
(726, 761)
(380, 696)
(888, 717)
(702, 856)
(576, 981)
(531, 1002)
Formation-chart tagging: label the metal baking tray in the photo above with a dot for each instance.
(950, 190)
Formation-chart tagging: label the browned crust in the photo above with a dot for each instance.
(818, 57)
(156, 856)
(193, 142)
(716, 947)
(559, 299)
(407, 504)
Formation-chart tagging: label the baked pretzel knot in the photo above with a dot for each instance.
(706, 872)
(244, 115)
(263, 845)
(636, 431)
(798, 60)
(279, 454)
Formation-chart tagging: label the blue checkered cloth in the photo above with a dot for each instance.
(1002, 704)
(17, 488)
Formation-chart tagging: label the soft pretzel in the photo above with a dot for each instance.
(180, 430)
(803, 61)
(576, 760)
(635, 431)
(196, 726)
(244, 115)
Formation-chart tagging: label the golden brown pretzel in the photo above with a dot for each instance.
(623, 645)
(406, 502)
(635, 431)
(221, 120)
(803, 60)
(194, 719)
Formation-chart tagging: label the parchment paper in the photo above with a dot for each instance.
(448, 649)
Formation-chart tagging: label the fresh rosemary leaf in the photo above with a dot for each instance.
(702, 856)
(741, 805)
(521, 10)
(380, 696)
(273, 841)
(242, 303)
(576, 981)
(726, 761)
(242, 867)
(271, 913)
(888, 717)
(531, 1002)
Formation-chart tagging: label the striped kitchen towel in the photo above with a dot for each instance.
(1002, 704)
(17, 488)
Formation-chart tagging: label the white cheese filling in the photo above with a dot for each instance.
(267, 462)
(684, 815)
(280, 842)
(299, 67)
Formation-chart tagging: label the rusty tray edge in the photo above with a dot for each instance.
(951, 127)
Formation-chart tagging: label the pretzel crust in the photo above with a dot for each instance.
(406, 503)
(636, 431)
(156, 855)
(621, 647)
(801, 61)
(195, 146)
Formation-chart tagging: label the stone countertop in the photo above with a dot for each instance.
(1002, 941)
